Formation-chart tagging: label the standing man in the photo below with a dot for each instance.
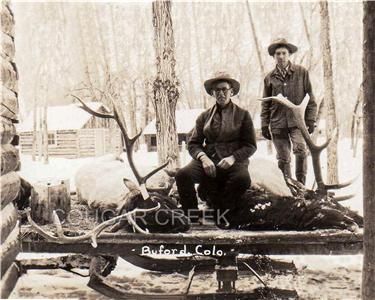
(221, 144)
(278, 123)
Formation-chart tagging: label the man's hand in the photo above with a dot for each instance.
(226, 162)
(208, 166)
(310, 126)
(266, 133)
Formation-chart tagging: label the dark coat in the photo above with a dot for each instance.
(295, 87)
(236, 137)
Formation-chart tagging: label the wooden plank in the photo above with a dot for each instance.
(63, 131)
(7, 44)
(9, 249)
(7, 130)
(10, 159)
(266, 243)
(9, 104)
(67, 261)
(9, 280)
(68, 141)
(8, 220)
(9, 75)
(10, 187)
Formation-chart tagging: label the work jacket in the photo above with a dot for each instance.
(294, 86)
(236, 136)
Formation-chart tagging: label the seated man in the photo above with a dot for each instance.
(221, 144)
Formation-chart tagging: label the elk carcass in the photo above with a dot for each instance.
(304, 209)
(136, 207)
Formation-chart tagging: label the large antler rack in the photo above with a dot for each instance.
(129, 143)
(93, 234)
(315, 150)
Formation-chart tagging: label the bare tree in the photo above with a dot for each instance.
(308, 36)
(165, 86)
(329, 98)
(256, 40)
(260, 60)
(368, 277)
(356, 122)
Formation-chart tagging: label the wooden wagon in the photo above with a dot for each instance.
(207, 249)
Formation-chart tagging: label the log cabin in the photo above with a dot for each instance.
(185, 122)
(73, 133)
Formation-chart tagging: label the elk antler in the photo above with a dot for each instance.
(129, 143)
(299, 113)
(93, 234)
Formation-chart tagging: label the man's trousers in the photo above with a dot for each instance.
(282, 140)
(225, 189)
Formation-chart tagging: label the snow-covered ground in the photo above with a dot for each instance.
(320, 277)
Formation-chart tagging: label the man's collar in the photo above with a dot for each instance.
(290, 69)
(219, 108)
(286, 68)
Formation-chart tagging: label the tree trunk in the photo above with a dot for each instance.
(35, 129)
(308, 36)
(256, 40)
(133, 112)
(259, 56)
(40, 134)
(203, 96)
(356, 117)
(332, 170)
(368, 274)
(45, 132)
(165, 86)
(148, 95)
(84, 53)
(321, 108)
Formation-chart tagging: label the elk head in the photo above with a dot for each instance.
(315, 150)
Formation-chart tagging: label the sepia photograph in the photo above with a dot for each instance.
(168, 149)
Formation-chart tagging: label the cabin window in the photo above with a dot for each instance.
(153, 141)
(51, 139)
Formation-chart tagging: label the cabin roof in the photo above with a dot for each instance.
(64, 117)
(185, 121)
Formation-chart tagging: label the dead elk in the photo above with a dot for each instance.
(137, 209)
(304, 209)
(168, 217)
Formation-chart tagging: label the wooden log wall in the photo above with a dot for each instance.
(99, 141)
(78, 143)
(10, 162)
(66, 144)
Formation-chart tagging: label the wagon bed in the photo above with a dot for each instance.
(321, 242)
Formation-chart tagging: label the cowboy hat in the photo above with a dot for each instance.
(281, 43)
(218, 76)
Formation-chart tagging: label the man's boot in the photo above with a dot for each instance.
(301, 168)
(285, 168)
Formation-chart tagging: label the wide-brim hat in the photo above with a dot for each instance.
(281, 43)
(222, 76)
